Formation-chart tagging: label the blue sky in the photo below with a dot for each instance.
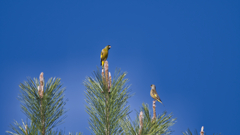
(188, 49)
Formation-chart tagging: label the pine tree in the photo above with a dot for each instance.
(145, 125)
(43, 104)
(189, 132)
(108, 110)
(106, 97)
(106, 101)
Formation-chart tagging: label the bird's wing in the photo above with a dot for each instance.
(156, 96)
(101, 54)
(104, 54)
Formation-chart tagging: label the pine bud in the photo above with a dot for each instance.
(202, 132)
(140, 122)
(26, 129)
(154, 110)
(40, 87)
(106, 71)
(109, 82)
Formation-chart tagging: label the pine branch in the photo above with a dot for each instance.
(109, 82)
(104, 108)
(107, 98)
(140, 122)
(41, 94)
(202, 132)
(23, 129)
(188, 132)
(154, 110)
(43, 103)
(161, 125)
(26, 131)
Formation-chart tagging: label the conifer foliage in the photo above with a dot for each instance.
(42, 103)
(145, 125)
(106, 105)
(108, 109)
(189, 132)
(106, 97)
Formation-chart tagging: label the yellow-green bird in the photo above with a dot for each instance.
(104, 54)
(153, 93)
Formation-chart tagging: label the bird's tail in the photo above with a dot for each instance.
(160, 101)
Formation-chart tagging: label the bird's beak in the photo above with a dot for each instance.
(109, 47)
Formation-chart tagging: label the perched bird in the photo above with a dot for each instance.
(153, 93)
(104, 54)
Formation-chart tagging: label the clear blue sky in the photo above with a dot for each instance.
(188, 49)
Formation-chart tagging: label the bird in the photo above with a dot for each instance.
(154, 95)
(104, 54)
